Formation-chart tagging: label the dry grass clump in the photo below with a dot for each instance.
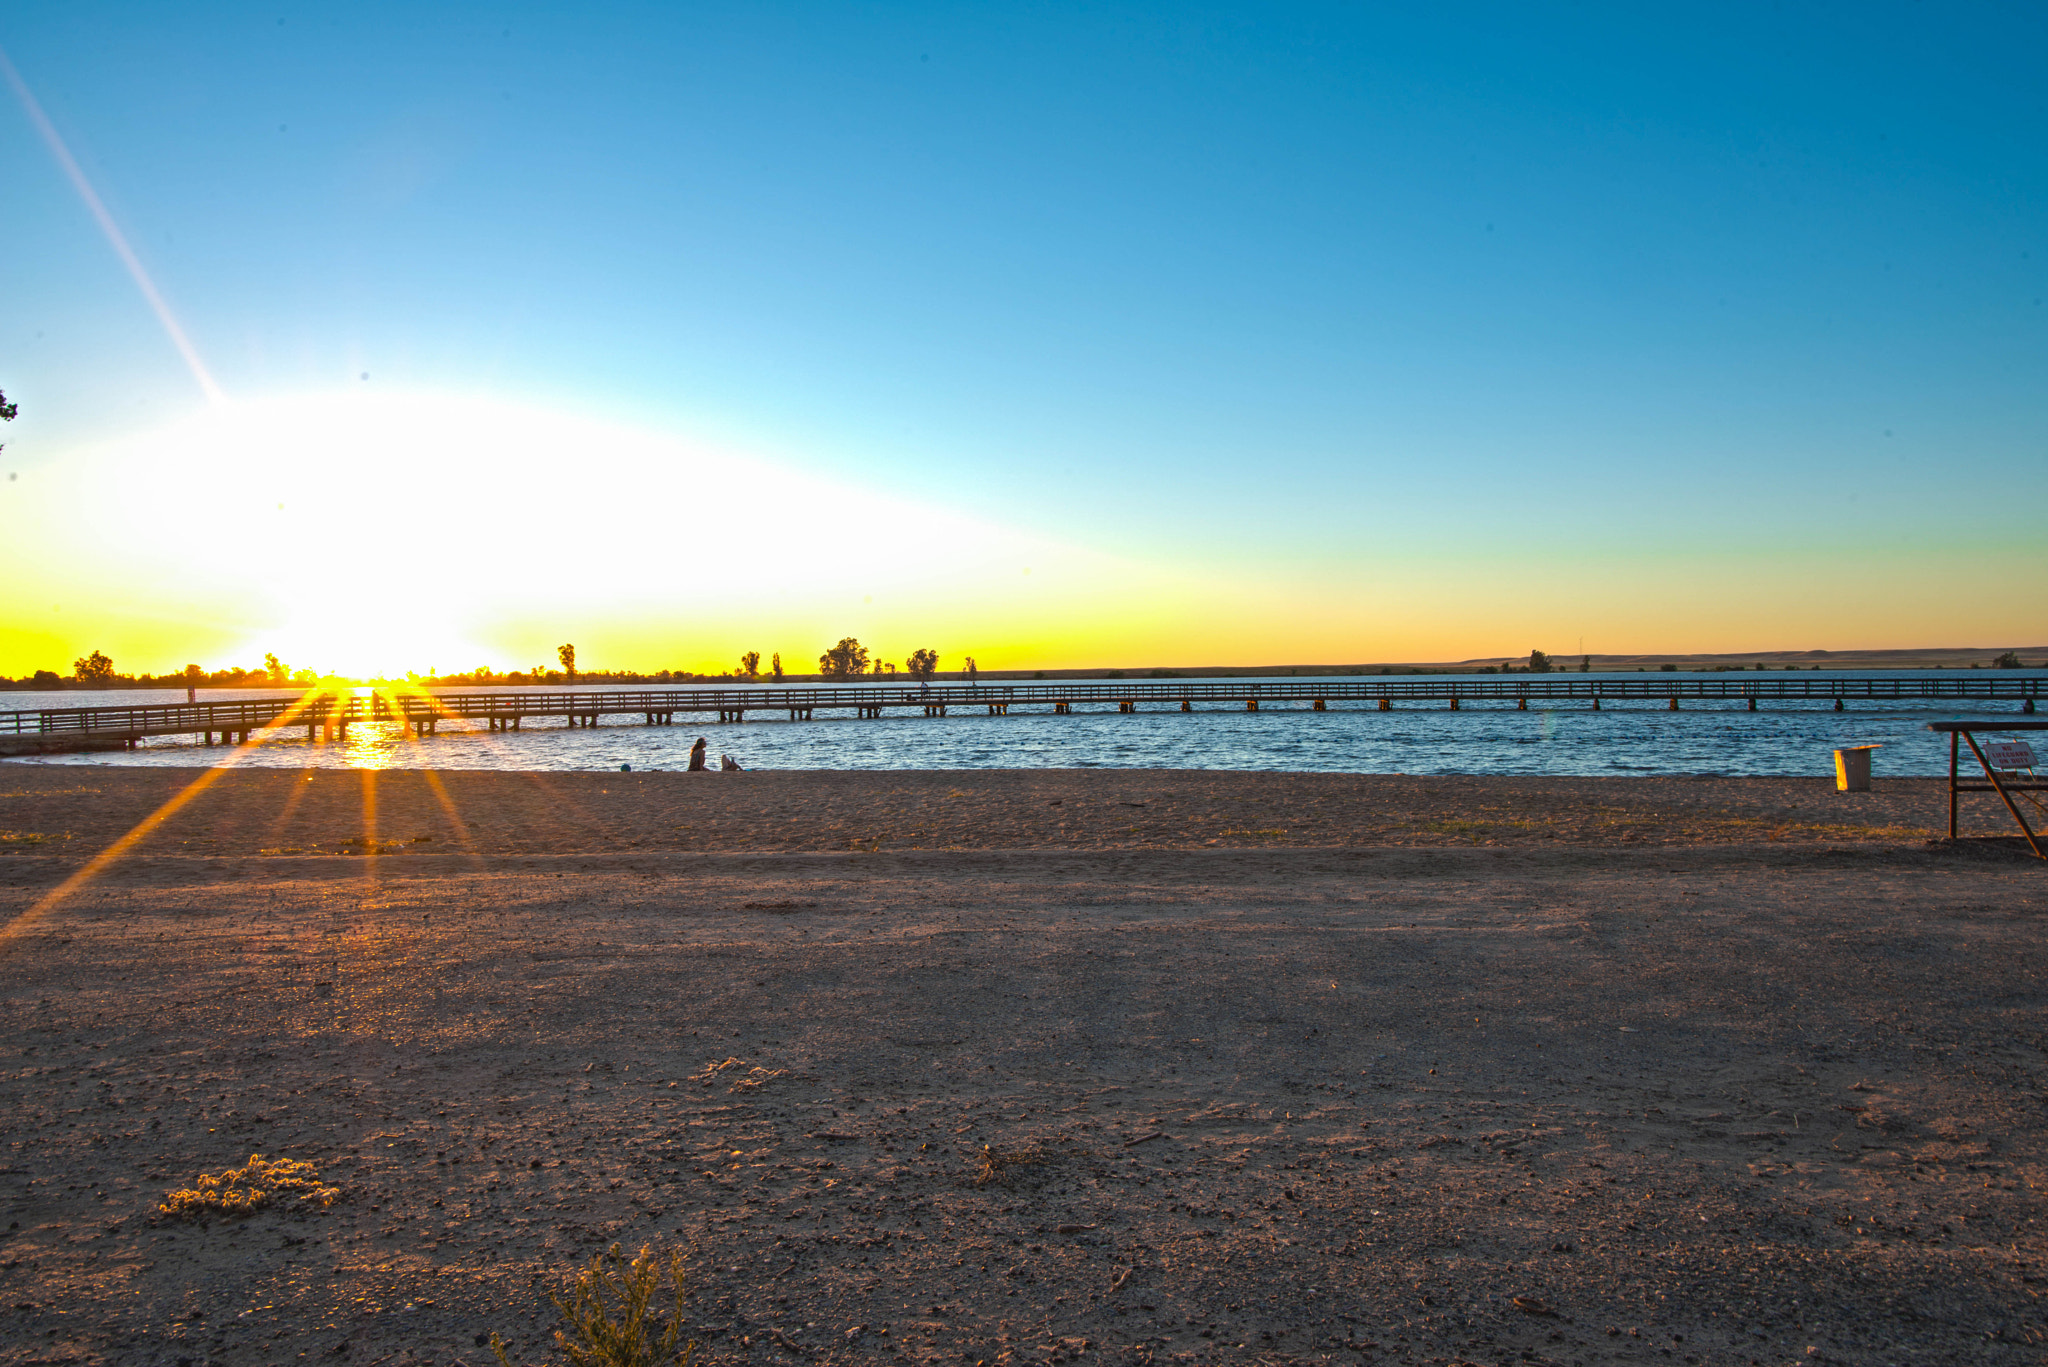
(998, 1164)
(754, 1076)
(245, 1190)
(611, 1318)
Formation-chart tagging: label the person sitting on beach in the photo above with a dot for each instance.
(729, 765)
(697, 754)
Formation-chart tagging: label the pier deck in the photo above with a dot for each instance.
(328, 715)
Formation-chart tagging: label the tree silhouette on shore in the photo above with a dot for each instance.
(846, 660)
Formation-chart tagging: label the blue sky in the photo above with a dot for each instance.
(1581, 293)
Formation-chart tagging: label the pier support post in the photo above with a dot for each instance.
(1838, 704)
(1752, 704)
(1386, 704)
(1522, 704)
(1596, 704)
(1126, 707)
(1454, 704)
(1186, 705)
(1674, 702)
(1319, 706)
(1061, 708)
(2029, 708)
(1251, 704)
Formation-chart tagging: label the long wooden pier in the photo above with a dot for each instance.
(327, 716)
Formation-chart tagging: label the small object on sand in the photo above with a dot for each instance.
(1143, 1138)
(625, 768)
(1530, 1305)
(1075, 1229)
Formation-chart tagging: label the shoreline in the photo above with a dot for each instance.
(73, 810)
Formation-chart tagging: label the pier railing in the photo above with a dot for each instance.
(325, 713)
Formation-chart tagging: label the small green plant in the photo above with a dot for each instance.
(610, 1314)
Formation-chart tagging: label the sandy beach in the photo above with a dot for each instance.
(1287, 1068)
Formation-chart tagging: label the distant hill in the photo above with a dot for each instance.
(1930, 657)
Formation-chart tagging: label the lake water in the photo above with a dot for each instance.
(1417, 738)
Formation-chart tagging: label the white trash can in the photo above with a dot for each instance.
(1852, 768)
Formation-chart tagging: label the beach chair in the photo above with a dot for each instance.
(2010, 765)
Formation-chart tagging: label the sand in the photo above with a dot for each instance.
(1300, 1067)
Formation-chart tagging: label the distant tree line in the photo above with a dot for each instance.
(97, 671)
(845, 661)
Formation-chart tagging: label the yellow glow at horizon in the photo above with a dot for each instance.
(379, 535)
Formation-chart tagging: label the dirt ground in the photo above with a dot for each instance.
(1287, 1068)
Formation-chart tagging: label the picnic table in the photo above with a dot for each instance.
(2008, 765)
